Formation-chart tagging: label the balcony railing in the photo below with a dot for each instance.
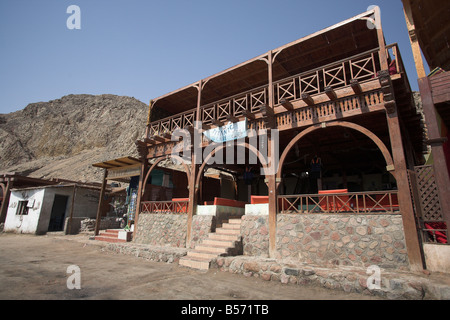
(165, 207)
(361, 68)
(352, 202)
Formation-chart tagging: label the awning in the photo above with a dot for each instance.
(121, 168)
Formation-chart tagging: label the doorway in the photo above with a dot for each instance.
(58, 213)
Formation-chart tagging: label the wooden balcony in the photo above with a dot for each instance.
(345, 88)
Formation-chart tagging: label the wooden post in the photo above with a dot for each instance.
(436, 143)
(194, 189)
(413, 246)
(5, 201)
(144, 169)
(381, 41)
(72, 205)
(417, 54)
(100, 203)
(271, 176)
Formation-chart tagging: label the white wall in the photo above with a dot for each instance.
(38, 218)
(26, 223)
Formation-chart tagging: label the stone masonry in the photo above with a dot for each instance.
(161, 230)
(170, 229)
(348, 240)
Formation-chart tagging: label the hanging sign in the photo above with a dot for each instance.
(227, 132)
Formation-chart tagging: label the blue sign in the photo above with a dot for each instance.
(228, 132)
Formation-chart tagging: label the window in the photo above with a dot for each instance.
(22, 208)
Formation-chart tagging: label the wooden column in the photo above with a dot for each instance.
(144, 169)
(271, 176)
(194, 189)
(5, 201)
(436, 142)
(417, 54)
(72, 206)
(100, 203)
(384, 65)
(413, 246)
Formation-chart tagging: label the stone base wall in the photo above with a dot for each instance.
(201, 226)
(255, 235)
(88, 224)
(346, 240)
(348, 279)
(171, 229)
(161, 230)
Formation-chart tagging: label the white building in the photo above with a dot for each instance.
(38, 210)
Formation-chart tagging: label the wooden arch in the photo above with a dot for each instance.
(384, 150)
(158, 160)
(245, 144)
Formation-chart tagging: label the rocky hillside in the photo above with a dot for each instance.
(62, 138)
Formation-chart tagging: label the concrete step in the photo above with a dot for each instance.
(226, 237)
(195, 263)
(218, 243)
(210, 249)
(235, 232)
(235, 226)
(235, 220)
(201, 255)
(108, 239)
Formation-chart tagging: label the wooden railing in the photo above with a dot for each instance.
(351, 202)
(173, 207)
(361, 68)
(338, 74)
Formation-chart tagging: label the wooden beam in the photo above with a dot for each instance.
(232, 118)
(5, 202)
(100, 203)
(286, 104)
(249, 115)
(307, 99)
(413, 39)
(72, 206)
(206, 126)
(356, 86)
(160, 138)
(329, 91)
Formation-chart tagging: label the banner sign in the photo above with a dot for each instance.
(228, 132)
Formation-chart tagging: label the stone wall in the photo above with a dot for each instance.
(346, 240)
(201, 226)
(349, 240)
(161, 230)
(255, 235)
(171, 229)
(88, 224)
(395, 285)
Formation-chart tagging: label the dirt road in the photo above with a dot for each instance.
(35, 267)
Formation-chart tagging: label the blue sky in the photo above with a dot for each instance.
(145, 49)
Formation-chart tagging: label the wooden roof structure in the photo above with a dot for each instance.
(432, 29)
(117, 163)
(332, 44)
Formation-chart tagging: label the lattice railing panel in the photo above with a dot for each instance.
(428, 193)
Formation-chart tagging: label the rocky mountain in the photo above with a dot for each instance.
(62, 138)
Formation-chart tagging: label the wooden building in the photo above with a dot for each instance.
(429, 32)
(341, 94)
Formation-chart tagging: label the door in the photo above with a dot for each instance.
(58, 213)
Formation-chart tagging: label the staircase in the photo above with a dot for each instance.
(112, 235)
(225, 241)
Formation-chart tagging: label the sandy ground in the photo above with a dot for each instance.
(35, 267)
